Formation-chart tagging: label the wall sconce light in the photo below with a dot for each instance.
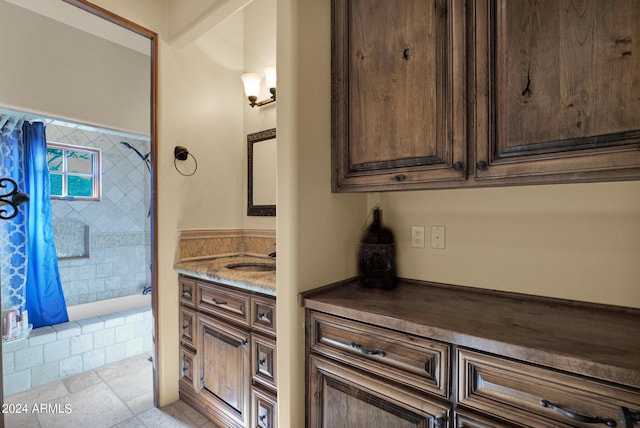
(252, 82)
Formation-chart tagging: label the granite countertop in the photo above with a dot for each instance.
(214, 269)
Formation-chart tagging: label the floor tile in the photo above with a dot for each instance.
(119, 395)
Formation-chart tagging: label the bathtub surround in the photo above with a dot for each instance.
(63, 350)
(109, 243)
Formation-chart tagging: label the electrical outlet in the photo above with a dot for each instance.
(417, 236)
(437, 237)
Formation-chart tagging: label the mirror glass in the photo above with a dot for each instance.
(262, 161)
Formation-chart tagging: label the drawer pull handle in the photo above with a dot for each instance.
(366, 351)
(185, 370)
(186, 294)
(262, 316)
(185, 327)
(218, 302)
(261, 362)
(578, 417)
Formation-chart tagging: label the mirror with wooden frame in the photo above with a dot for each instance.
(261, 180)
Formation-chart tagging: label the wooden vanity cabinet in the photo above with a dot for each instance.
(402, 357)
(228, 354)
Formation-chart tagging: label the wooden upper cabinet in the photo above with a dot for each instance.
(398, 104)
(557, 90)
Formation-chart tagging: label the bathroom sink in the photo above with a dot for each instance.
(252, 267)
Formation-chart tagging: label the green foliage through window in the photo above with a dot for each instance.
(74, 171)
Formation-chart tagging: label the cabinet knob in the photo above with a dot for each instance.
(438, 423)
(400, 177)
(482, 165)
(458, 166)
(261, 362)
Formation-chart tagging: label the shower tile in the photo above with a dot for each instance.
(7, 363)
(56, 350)
(123, 333)
(89, 325)
(28, 357)
(44, 373)
(67, 329)
(81, 344)
(104, 338)
(17, 382)
(93, 359)
(112, 320)
(115, 352)
(134, 347)
(71, 366)
(40, 336)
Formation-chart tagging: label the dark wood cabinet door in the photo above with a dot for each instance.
(556, 90)
(225, 369)
(398, 109)
(341, 396)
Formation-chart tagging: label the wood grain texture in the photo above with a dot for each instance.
(341, 396)
(397, 93)
(514, 391)
(598, 341)
(554, 90)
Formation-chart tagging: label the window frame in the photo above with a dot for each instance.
(96, 191)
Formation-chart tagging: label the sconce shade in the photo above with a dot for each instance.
(251, 83)
(270, 75)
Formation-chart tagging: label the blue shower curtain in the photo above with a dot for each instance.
(44, 296)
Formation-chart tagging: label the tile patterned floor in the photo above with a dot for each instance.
(119, 395)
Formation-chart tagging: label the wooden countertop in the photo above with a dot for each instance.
(214, 269)
(599, 341)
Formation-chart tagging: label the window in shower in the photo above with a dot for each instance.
(74, 172)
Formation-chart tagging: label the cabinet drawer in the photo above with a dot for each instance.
(188, 368)
(263, 314)
(187, 326)
(263, 360)
(410, 360)
(187, 291)
(264, 413)
(225, 302)
(516, 391)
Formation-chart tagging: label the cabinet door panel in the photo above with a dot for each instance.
(553, 82)
(225, 366)
(398, 96)
(341, 396)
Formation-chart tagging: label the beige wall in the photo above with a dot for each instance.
(572, 241)
(58, 71)
(259, 49)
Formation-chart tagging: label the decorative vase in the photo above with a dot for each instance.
(376, 257)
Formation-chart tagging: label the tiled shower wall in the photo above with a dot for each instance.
(118, 262)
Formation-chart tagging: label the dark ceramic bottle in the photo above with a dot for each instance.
(376, 258)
